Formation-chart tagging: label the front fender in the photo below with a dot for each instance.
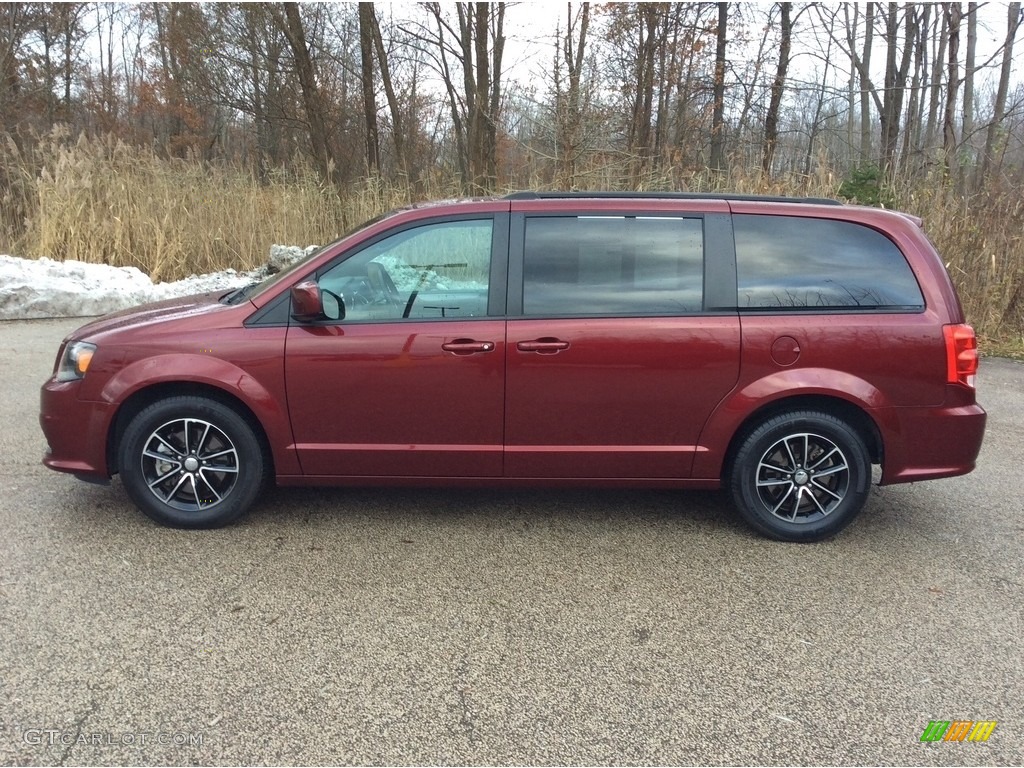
(263, 395)
(754, 395)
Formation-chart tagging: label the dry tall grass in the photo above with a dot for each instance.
(99, 200)
(103, 201)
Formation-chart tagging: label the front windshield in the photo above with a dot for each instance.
(254, 289)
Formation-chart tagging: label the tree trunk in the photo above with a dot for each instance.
(953, 14)
(970, 54)
(895, 80)
(497, 53)
(397, 120)
(369, 97)
(851, 83)
(718, 113)
(935, 95)
(1013, 22)
(573, 51)
(771, 120)
(865, 84)
(912, 124)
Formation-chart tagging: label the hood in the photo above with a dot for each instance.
(157, 312)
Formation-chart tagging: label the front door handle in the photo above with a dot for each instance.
(467, 346)
(544, 346)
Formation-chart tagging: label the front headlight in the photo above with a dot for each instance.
(75, 361)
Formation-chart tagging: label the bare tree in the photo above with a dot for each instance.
(476, 44)
(290, 22)
(1013, 22)
(569, 98)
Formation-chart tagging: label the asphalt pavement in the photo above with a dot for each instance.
(340, 626)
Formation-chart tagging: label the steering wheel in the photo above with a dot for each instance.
(382, 283)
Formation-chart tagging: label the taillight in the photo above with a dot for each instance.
(961, 354)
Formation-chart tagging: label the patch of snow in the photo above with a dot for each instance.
(283, 256)
(32, 289)
(408, 278)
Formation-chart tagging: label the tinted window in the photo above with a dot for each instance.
(603, 265)
(433, 271)
(799, 263)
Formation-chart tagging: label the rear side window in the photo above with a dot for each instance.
(789, 262)
(613, 265)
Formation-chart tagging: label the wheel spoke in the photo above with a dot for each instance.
(169, 446)
(813, 497)
(797, 500)
(221, 469)
(195, 491)
(831, 470)
(773, 483)
(202, 440)
(162, 478)
(783, 499)
(181, 481)
(820, 461)
(792, 459)
(217, 455)
(161, 457)
(829, 491)
(208, 484)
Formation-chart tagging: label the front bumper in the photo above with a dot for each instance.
(75, 430)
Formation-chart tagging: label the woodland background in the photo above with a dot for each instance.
(188, 137)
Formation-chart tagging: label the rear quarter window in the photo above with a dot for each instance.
(796, 263)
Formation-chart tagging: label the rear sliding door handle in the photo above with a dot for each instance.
(545, 346)
(467, 346)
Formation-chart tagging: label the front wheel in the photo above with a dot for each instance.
(801, 476)
(191, 462)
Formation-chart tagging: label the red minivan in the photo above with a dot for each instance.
(777, 347)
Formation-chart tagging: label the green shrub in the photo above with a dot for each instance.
(866, 186)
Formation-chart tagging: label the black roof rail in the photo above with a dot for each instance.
(670, 196)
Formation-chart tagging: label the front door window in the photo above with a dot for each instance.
(433, 271)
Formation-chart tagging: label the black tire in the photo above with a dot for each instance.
(191, 462)
(800, 476)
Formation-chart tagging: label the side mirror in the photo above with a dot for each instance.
(306, 305)
(310, 303)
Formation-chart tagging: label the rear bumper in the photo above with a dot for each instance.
(75, 430)
(930, 443)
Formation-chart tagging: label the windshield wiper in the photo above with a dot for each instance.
(239, 295)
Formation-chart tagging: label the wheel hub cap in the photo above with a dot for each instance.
(803, 477)
(190, 464)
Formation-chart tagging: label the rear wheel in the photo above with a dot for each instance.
(801, 476)
(191, 462)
